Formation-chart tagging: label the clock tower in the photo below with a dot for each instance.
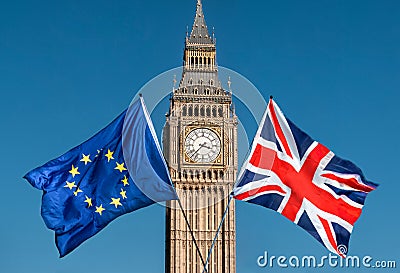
(200, 146)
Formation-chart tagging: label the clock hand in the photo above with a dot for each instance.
(204, 145)
(201, 146)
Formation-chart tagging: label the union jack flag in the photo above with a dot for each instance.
(291, 173)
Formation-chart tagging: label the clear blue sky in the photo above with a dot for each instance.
(67, 68)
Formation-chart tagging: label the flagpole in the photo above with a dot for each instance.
(179, 200)
(217, 233)
(191, 233)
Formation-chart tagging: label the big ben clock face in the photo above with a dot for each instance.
(202, 145)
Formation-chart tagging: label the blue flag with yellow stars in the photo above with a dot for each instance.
(117, 171)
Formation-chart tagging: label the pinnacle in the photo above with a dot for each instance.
(199, 34)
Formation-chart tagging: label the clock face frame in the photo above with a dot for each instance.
(202, 145)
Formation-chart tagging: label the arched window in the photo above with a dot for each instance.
(221, 174)
(215, 176)
(195, 91)
(210, 213)
(220, 111)
(208, 111)
(192, 61)
(196, 223)
(202, 111)
(190, 111)
(184, 110)
(214, 112)
(196, 111)
(208, 174)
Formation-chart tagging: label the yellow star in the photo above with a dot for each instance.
(100, 209)
(78, 190)
(125, 181)
(86, 159)
(109, 155)
(115, 202)
(88, 201)
(70, 185)
(120, 167)
(74, 171)
(123, 194)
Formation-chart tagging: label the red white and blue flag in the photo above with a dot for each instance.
(291, 173)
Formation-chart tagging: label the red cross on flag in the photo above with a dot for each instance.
(291, 173)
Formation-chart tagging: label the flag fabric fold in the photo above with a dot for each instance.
(289, 172)
(91, 185)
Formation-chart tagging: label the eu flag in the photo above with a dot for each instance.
(117, 171)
